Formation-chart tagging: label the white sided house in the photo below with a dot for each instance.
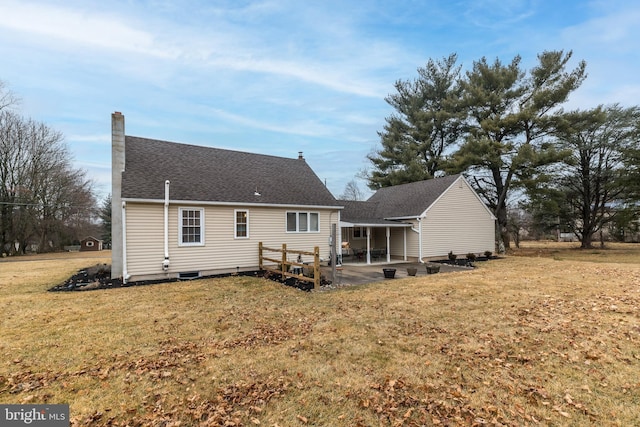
(182, 210)
(417, 222)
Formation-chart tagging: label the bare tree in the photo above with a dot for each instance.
(352, 191)
(7, 98)
(44, 201)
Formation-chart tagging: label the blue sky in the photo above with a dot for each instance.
(281, 76)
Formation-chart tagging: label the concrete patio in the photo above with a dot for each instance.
(360, 273)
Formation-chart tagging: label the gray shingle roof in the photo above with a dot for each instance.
(406, 200)
(215, 175)
(359, 212)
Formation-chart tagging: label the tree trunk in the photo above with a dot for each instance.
(586, 241)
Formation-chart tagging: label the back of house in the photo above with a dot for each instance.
(182, 210)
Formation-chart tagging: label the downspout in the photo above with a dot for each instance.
(419, 231)
(125, 275)
(339, 242)
(420, 240)
(165, 263)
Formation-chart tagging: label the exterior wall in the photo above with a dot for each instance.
(221, 252)
(457, 222)
(397, 242)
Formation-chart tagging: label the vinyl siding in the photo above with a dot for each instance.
(221, 252)
(397, 242)
(458, 222)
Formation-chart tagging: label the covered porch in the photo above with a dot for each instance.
(376, 242)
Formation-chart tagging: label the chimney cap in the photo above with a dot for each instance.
(300, 156)
(117, 112)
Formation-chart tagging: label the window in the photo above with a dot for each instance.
(89, 244)
(359, 232)
(242, 224)
(191, 228)
(303, 222)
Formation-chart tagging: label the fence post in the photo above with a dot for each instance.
(260, 266)
(316, 267)
(284, 258)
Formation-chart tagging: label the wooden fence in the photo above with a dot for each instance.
(283, 263)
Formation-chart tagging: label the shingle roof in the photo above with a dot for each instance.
(210, 174)
(359, 212)
(398, 201)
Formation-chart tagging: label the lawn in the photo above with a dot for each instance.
(548, 335)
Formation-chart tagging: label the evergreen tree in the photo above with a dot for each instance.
(427, 121)
(104, 213)
(510, 116)
(594, 179)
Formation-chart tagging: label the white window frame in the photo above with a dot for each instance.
(180, 217)
(308, 214)
(235, 223)
(89, 243)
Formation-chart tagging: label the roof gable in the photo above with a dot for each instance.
(412, 199)
(205, 174)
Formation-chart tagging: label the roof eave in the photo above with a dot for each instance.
(215, 203)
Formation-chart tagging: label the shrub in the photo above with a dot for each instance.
(488, 254)
(452, 256)
(471, 256)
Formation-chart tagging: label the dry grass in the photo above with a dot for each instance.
(549, 339)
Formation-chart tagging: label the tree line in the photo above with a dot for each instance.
(504, 128)
(45, 203)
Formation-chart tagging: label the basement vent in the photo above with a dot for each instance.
(188, 275)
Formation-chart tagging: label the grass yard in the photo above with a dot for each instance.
(546, 336)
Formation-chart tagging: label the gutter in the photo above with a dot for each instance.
(210, 203)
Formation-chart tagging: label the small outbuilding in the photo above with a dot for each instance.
(90, 244)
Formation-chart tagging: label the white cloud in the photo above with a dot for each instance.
(218, 46)
(304, 128)
(77, 27)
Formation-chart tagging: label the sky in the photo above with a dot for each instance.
(281, 76)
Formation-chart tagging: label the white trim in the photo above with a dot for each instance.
(180, 242)
(346, 224)
(264, 205)
(235, 223)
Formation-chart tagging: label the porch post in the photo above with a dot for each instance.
(404, 249)
(388, 246)
(368, 245)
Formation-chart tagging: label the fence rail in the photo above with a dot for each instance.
(283, 263)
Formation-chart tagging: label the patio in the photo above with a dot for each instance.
(361, 273)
